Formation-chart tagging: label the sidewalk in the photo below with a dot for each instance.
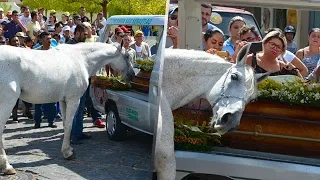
(37, 153)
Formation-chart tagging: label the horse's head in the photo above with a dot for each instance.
(125, 62)
(232, 92)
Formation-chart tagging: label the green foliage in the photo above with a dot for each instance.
(5, 7)
(92, 6)
(137, 7)
(290, 92)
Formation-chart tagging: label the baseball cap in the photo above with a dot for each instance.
(66, 28)
(86, 24)
(20, 34)
(117, 30)
(66, 13)
(1, 9)
(77, 16)
(124, 29)
(138, 32)
(172, 9)
(52, 11)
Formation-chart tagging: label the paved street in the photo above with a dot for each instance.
(36, 153)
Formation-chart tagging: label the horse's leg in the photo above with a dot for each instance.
(62, 107)
(165, 162)
(9, 97)
(68, 108)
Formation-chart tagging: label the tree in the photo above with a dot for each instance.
(137, 7)
(5, 7)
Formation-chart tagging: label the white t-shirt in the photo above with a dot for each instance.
(24, 20)
(288, 56)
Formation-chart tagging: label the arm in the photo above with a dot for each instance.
(299, 64)
(28, 29)
(299, 54)
(249, 59)
(239, 45)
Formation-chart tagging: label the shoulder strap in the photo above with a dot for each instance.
(302, 53)
(254, 61)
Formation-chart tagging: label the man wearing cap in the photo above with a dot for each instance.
(118, 34)
(142, 49)
(172, 33)
(65, 34)
(14, 26)
(21, 37)
(26, 17)
(33, 25)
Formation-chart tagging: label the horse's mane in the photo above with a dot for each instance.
(194, 61)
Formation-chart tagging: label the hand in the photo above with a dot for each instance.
(211, 51)
(173, 32)
(239, 45)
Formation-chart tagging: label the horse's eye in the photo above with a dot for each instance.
(234, 77)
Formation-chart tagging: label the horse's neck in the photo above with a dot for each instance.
(94, 59)
(190, 74)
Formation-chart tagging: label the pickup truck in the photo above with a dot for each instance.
(274, 141)
(131, 108)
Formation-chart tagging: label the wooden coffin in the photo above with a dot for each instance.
(277, 128)
(141, 81)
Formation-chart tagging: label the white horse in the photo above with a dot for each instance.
(189, 75)
(59, 74)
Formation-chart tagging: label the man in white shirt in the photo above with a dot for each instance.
(26, 17)
(2, 17)
(100, 23)
(33, 26)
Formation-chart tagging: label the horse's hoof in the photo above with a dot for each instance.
(73, 156)
(10, 172)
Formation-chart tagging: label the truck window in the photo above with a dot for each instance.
(222, 22)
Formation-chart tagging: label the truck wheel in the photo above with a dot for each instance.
(115, 129)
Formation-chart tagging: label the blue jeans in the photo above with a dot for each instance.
(45, 110)
(26, 104)
(77, 125)
(51, 110)
(95, 114)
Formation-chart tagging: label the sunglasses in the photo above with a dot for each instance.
(174, 17)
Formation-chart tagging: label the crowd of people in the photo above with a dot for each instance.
(279, 54)
(33, 30)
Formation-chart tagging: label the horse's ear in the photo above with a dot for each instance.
(242, 55)
(121, 44)
(261, 76)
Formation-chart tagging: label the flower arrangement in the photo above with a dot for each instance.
(191, 132)
(113, 83)
(145, 65)
(295, 92)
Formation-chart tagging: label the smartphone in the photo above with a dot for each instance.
(223, 54)
(255, 47)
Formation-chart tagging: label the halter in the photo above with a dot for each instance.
(222, 92)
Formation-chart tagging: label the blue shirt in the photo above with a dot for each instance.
(228, 46)
(11, 29)
(53, 44)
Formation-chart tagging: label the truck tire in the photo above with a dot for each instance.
(115, 129)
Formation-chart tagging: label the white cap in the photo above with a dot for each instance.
(1, 9)
(66, 28)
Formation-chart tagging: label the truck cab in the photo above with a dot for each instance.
(132, 109)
